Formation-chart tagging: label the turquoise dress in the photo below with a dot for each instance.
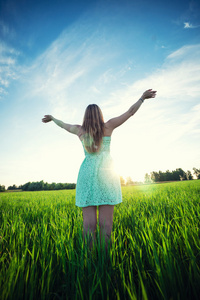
(98, 183)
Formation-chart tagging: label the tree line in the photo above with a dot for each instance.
(175, 175)
(40, 186)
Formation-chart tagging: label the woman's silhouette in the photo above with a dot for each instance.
(98, 184)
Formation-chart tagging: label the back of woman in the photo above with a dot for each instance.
(98, 185)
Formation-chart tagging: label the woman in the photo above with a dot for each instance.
(97, 184)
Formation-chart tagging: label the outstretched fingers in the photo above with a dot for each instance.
(149, 94)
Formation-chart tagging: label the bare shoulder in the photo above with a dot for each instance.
(80, 131)
(75, 129)
(108, 129)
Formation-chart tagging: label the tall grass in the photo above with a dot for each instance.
(155, 251)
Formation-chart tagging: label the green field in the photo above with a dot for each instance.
(155, 253)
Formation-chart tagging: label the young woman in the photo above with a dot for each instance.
(98, 184)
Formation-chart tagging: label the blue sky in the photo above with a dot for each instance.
(56, 57)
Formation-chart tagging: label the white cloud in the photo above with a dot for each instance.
(72, 69)
(179, 76)
(8, 66)
(189, 25)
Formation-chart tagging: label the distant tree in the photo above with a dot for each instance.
(189, 175)
(168, 176)
(52, 186)
(71, 186)
(154, 176)
(58, 186)
(12, 187)
(32, 186)
(129, 181)
(40, 185)
(2, 188)
(44, 186)
(182, 174)
(176, 175)
(197, 172)
(147, 178)
(25, 187)
(122, 181)
(161, 176)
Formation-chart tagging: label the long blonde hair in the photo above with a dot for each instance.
(93, 125)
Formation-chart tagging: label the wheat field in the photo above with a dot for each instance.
(155, 250)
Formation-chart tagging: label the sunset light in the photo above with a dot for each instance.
(106, 53)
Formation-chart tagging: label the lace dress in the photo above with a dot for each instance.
(97, 183)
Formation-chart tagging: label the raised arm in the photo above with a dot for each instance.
(70, 128)
(115, 122)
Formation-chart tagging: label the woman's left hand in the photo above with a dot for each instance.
(47, 118)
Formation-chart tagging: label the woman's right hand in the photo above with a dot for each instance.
(47, 118)
(149, 94)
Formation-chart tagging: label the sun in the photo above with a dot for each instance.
(126, 167)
